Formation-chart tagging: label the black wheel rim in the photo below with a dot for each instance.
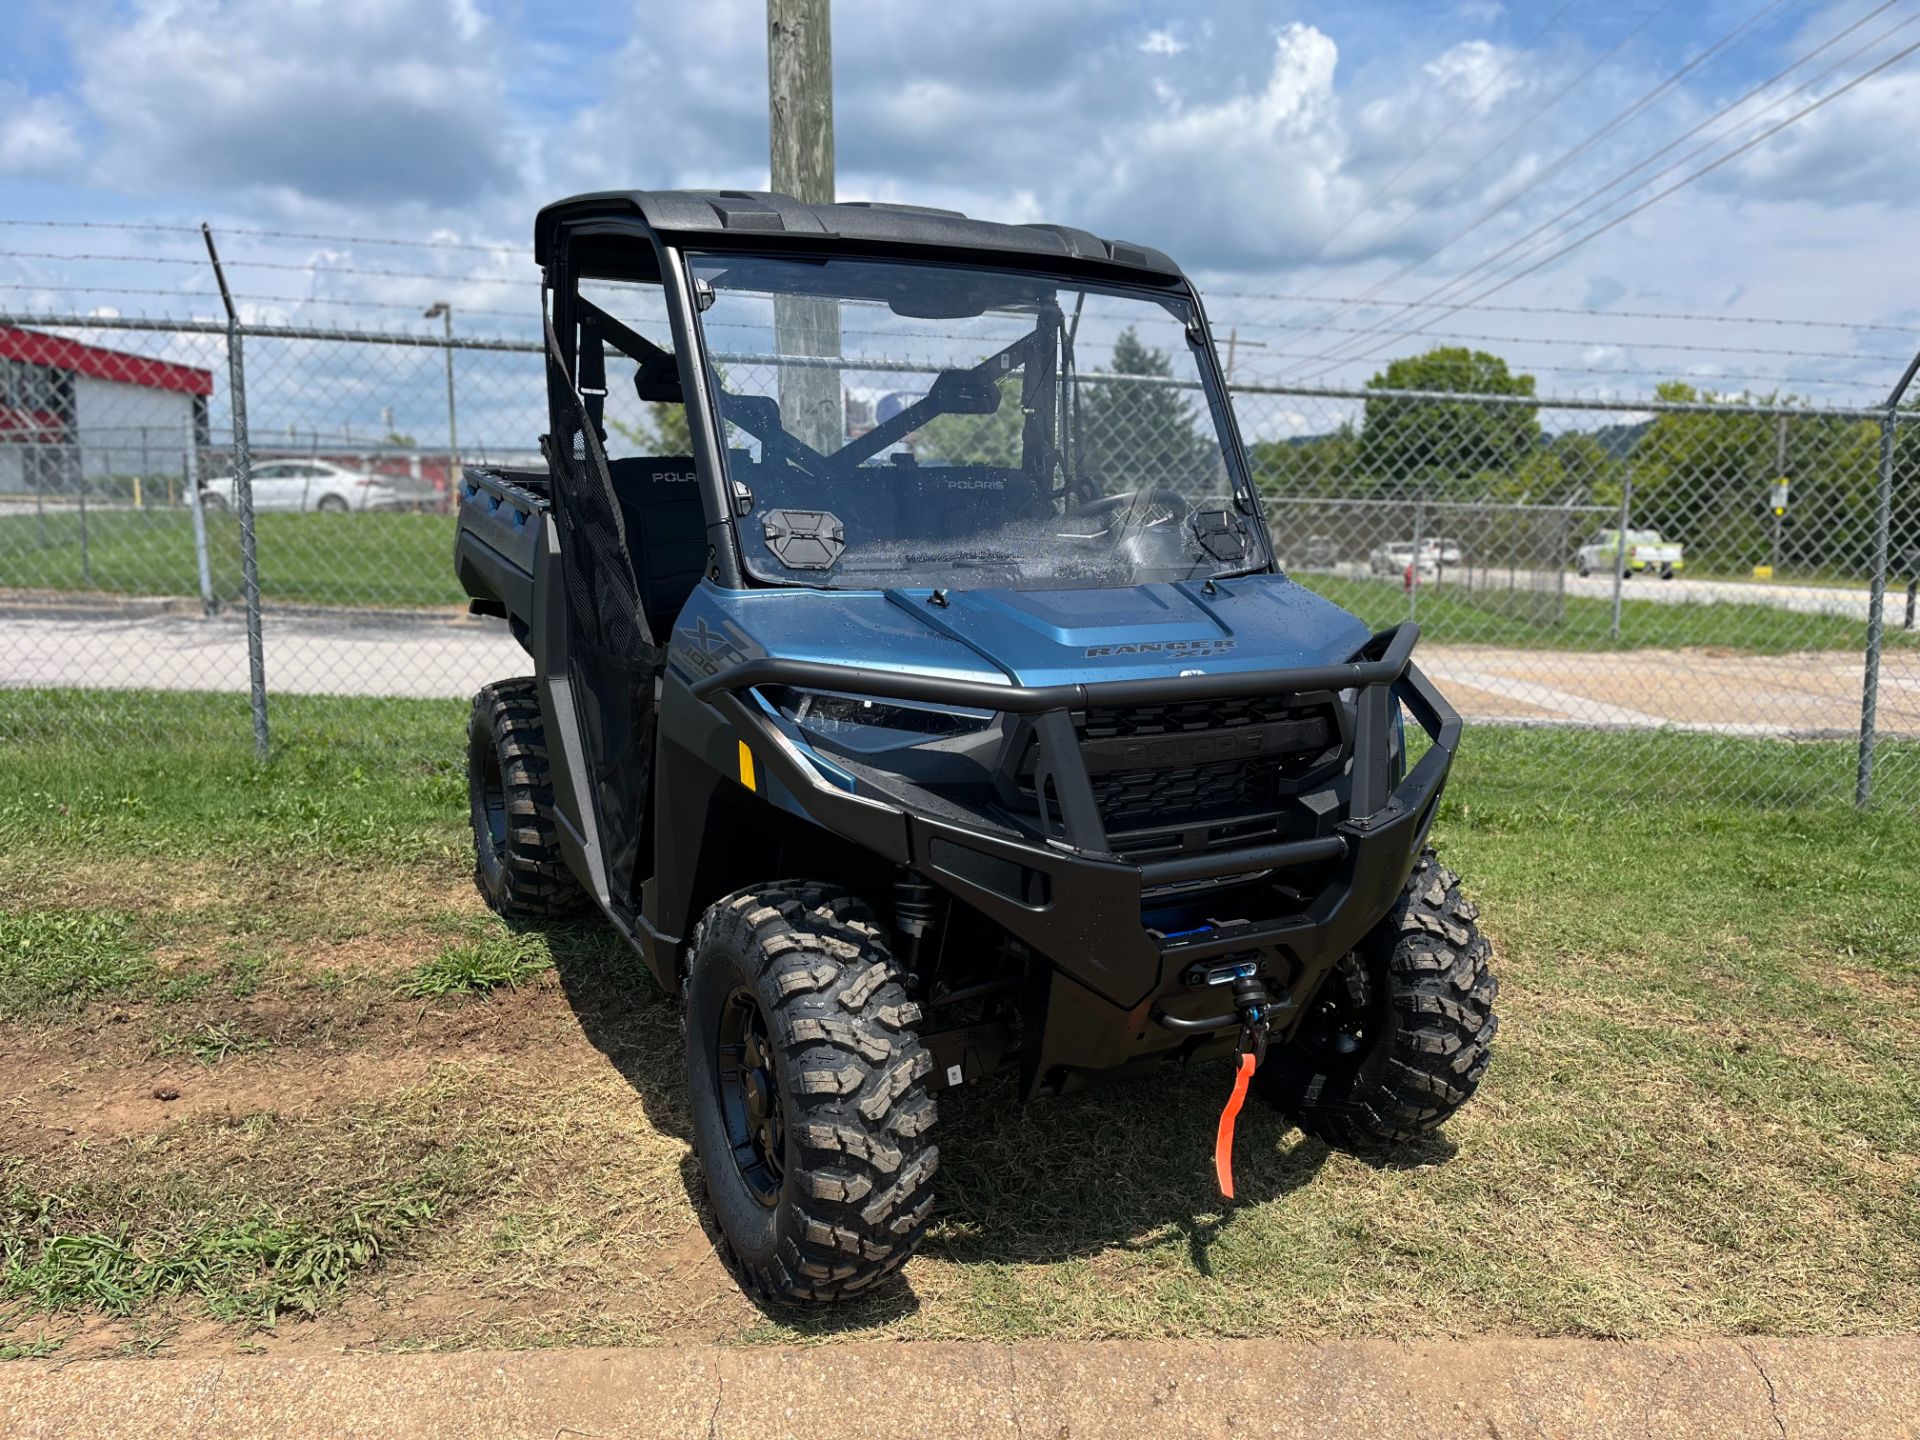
(1340, 1026)
(751, 1105)
(491, 799)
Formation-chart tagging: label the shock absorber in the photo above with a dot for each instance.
(915, 905)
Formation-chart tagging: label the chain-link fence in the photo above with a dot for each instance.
(1631, 574)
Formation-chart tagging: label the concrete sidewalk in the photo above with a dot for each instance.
(1379, 1390)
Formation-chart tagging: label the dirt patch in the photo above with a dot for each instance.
(296, 1054)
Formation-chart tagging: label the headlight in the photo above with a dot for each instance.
(862, 723)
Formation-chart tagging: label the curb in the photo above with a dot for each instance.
(1383, 1390)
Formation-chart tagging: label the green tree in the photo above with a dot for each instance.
(1307, 466)
(1704, 478)
(1135, 435)
(1447, 449)
(665, 431)
(993, 439)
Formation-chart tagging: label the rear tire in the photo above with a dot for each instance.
(1399, 1035)
(332, 505)
(518, 866)
(810, 1116)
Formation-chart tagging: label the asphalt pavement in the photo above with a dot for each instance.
(170, 646)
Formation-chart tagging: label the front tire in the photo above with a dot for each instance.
(517, 863)
(810, 1116)
(1399, 1035)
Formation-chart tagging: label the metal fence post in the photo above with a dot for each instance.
(243, 504)
(86, 552)
(1877, 601)
(1413, 568)
(1876, 619)
(199, 518)
(1620, 549)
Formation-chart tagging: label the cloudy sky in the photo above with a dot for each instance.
(1374, 148)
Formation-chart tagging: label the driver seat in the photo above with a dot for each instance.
(666, 533)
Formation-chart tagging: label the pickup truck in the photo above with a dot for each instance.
(1646, 551)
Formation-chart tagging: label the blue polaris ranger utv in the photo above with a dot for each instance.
(915, 687)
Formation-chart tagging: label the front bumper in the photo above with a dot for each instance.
(1119, 984)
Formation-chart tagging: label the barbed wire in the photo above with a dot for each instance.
(1636, 344)
(1681, 315)
(351, 303)
(250, 232)
(309, 268)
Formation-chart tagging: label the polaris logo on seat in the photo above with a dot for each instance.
(1172, 649)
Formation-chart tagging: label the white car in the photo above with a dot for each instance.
(1394, 557)
(1648, 552)
(1442, 552)
(315, 485)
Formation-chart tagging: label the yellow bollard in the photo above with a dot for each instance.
(1763, 572)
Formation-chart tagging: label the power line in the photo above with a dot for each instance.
(1438, 135)
(1510, 136)
(1567, 157)
(1452, 308)
(1434, 296)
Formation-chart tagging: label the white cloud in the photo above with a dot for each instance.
(1162, 42)
(38, 134)
(1858, 148)
(336, 101)
(1253, 173)
(1476, 70)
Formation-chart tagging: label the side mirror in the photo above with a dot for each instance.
(1221, 534)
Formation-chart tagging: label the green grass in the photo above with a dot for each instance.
(376, 559)
(217, 1215)
(209, 1043)
(348, 779)
(404, 561)
(503, 958)
(51, 958)
(1450, 614)
(1699, 1120)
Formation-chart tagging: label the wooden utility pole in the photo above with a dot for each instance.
(800, 135)
(800, 98)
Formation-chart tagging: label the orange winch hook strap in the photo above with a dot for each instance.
(1223, 1138)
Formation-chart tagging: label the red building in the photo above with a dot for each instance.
(70, 410)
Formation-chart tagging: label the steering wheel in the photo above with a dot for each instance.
(1152, 504)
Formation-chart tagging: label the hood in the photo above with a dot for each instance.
(1038, 637)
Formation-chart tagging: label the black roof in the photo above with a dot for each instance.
(767, 220)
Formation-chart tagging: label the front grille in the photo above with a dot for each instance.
(1198, 774)
(1130, 798)
(1185, 716)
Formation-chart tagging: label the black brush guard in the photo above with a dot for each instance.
(1118, 986)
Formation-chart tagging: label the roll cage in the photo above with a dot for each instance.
(645, 237)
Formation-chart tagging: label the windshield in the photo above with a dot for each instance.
(928, 425)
